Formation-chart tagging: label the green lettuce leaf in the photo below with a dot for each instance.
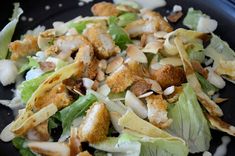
(219, 49)
(76, 109)
(8, 31)
(126, 18)
(26, 66)
(79, 26)
(140, 145)
(207, 87)
(189, 121)
(118, 34)
(27, 88)
(192, 18)
(19, 143)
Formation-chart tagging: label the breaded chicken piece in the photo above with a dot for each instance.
(157, 111)
(102, 41)
(23, 48)
(94, 127)
(140, 87)
(57, 95)
(139, 27)
(105, 9)
(69, 44)
(161, 24)
(169, 75)
(125, 75)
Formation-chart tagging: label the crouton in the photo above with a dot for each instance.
(140, 87)
(23, 48)
(169, 75)
(102, 42)
(94, 127)
(157, 111)
(105, 9)
(57, 95)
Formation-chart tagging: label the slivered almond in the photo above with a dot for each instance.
(153, 47)
(175, 61)
(136, 54)
(145, 95)
(160, 34)
(155, 86)
(114, 64)
(169, 90)
(100, 75)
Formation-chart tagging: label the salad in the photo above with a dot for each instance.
(121, 82)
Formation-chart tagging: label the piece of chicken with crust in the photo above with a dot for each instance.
(140, 27)
(157, 111)
(94, 127)
(105, 9)
(125, 75)
(101, 40)
(161, 24)
(57, 95)
(23, 48)
(72, 43)
(168, 75)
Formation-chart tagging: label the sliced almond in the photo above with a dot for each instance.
(145, 95)
(100, 75)
(155, 86)
(160, 34)
(136, 54)
(220, 100)
(169, 90)
(114, 64)
(175, 61)
(153, 47)
(102, 64)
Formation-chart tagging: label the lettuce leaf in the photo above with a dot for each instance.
(27, 88)
(126, 18)
(135, 144)
(207, 87)
(192, 18)
(8, 31)
(76, 109)
(219, 49)
(118, 34)
(26, 66)
(79, 26)
(189, 121)
(19, 143)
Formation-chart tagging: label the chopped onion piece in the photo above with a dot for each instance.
(114, 119)
(104, 90)
(136, 105)
(88, 83)
(215, 79)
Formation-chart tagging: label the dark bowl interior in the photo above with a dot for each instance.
(221, 10)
